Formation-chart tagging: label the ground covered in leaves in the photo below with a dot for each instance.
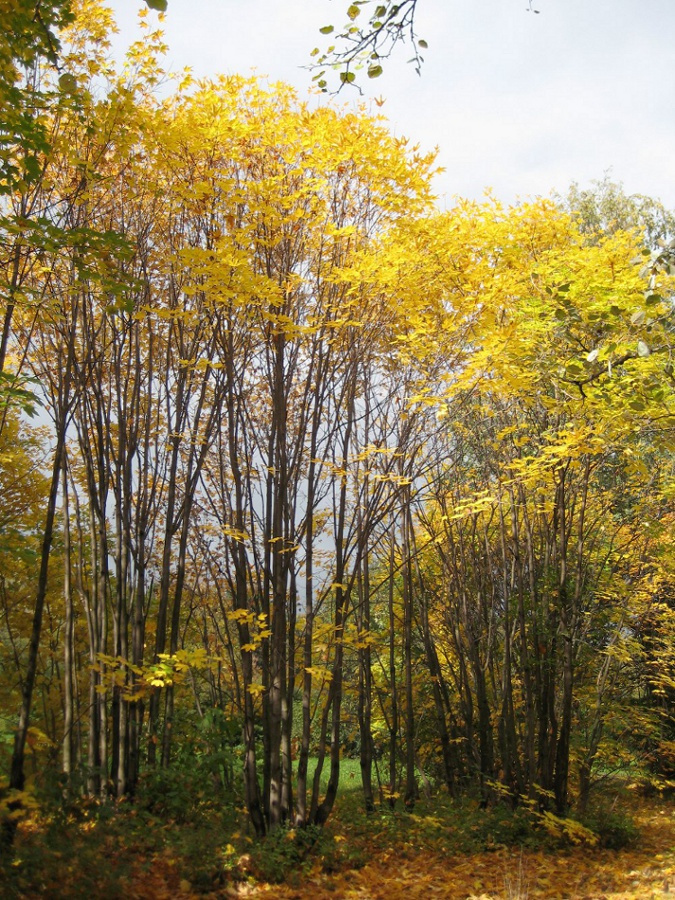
(441, 850)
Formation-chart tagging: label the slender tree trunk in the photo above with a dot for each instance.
(342, 592)
(365, 685)
(68, 638)
(410, 781)
(570, 611)
(17, 775)
(393, 724)
(301, 801)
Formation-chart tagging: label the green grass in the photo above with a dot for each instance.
(350, 773)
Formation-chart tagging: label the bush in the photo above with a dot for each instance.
(206, 765)
(615, 830)
(284, 851)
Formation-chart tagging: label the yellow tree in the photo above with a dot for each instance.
(567, 362)
(287, 197)
(80, 254)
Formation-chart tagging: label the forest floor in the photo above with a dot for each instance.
(645, 871)
(441, 850)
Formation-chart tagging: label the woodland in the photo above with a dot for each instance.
(336, 532)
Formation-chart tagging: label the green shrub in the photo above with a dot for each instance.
(615, 830)
(284, 851)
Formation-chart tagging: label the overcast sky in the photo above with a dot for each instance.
(518, 102)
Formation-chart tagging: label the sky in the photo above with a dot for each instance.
(517, 102)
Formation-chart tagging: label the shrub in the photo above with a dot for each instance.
(615, 830)
(284, 851)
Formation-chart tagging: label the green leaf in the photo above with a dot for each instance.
(347, 77)
(32, 168)
(353, 11)
(159, 5)
(374, 71)
(67, 83)
(423, 45)
(327, 29)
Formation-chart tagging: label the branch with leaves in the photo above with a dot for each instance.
(372, 32)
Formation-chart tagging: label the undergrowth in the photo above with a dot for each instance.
(200, 840)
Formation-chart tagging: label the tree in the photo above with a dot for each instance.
(324, 462)
(50, 243)
(605, 208)
(527, 539)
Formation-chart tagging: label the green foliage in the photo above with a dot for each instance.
(16, 393)
(29, 36)
(605, 208)
(206, 766)
(286, 850)
(615, 829)
(171, 792)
